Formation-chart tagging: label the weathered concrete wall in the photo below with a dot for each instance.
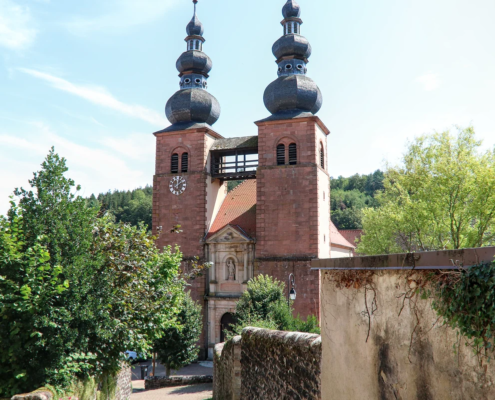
(280, 365)
(227, 370)
(407, 357)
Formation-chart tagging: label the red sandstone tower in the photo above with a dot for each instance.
(293, 216)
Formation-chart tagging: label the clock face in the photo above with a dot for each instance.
(177, 185)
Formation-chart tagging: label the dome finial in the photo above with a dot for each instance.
(195, 27)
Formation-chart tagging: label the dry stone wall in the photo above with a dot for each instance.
(227, 370)
(280, 365)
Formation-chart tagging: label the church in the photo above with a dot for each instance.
(278, 219)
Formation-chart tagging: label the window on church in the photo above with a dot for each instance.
(322, 156)
(281, 154)
(184, 165)
(292, 154)
(289, 28)
(175, 164)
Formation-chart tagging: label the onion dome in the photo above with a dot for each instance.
(195, 27)
(194, 60)
(291, 10)
(293, 93)
(292, 46)
(192, 104)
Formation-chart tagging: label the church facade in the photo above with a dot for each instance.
(278, 219)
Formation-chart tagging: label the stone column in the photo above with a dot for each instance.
(246, 260)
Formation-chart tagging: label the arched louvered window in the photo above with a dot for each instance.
(175, 163)
(281, 154)
(292, 154)
(184, 165)
(322, 156)
(197, 44)
(289, 28)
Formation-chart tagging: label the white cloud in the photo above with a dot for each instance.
(16, 26)
(100, 96)
(95, 169)
(430, 81)
(121, 14)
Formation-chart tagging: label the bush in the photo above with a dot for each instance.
(264, 305)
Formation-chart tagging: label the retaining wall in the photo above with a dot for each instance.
(227, 370)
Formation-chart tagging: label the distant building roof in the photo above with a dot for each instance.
(238, 143)
(337, 239)
(238, 208)
(351, 235)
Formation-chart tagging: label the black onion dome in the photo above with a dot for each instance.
(291, 10)
(292, 45)
(195, 27)
(194, 60)
(293, 92)
(192, 105)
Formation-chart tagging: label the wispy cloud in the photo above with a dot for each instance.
(121, 14)
(96, 169)
(429, 81)
(101, 97)
(16, 26)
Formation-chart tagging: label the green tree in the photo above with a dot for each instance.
(441, 197)
(76, 290)
(178, 345)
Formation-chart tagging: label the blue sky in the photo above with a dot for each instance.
(92, 78)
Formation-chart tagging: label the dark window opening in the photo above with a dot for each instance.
(184, 166)
(235, 164)
(292, 154)
(322, 156)
(175, 163)
(226, 324)
(281, 154)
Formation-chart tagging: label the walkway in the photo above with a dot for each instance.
(192, 392)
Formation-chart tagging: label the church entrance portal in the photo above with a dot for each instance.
(226, 324)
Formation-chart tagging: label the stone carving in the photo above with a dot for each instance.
(231, 270)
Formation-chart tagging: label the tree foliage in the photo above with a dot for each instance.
(76, 288)
(349, 196)
(178, 345)
(441, 197)
(264, 305)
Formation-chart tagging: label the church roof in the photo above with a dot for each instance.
(238, 209)
(246, 142)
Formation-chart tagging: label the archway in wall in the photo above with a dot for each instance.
(226, 324)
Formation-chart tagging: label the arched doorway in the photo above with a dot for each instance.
(226, 324)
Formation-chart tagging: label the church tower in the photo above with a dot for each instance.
(293, 214)
(185, 199)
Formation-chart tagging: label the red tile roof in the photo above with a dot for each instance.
(351, 235)
(238, 208)
(337, 239)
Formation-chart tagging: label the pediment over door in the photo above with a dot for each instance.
(230, 234)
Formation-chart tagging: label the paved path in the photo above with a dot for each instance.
(193, 392)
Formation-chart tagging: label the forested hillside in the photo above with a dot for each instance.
(131, 206)
(350, 195)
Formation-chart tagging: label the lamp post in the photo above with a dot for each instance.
(291, 289)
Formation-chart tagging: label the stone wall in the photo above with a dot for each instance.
(280, 365)
(123, 390)
(263, 364)
(157, 382)
(403, 352)
(227, 370)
